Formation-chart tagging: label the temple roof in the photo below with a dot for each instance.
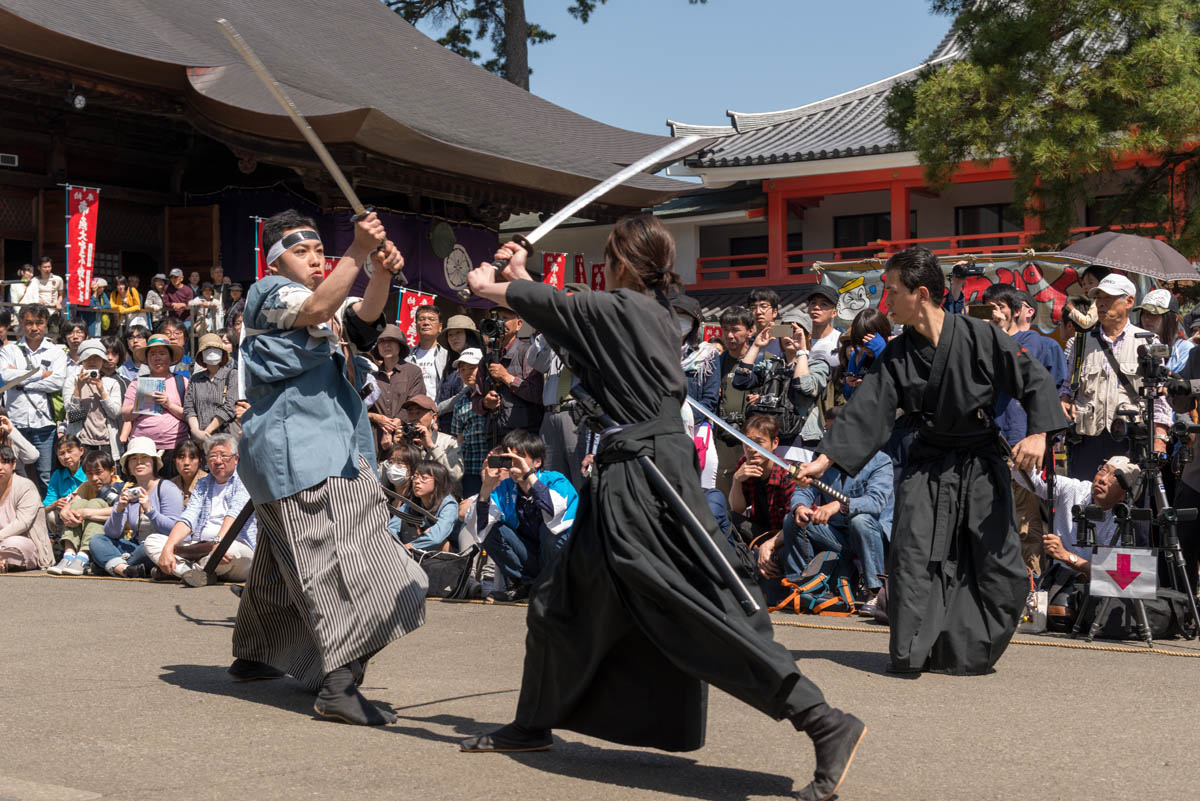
(849, 124)
(360, 73)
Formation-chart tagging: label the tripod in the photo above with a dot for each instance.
(1087, 538)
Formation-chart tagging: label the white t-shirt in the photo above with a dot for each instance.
(827, 347)
(218, 510)
(47, 293)
(427, 361)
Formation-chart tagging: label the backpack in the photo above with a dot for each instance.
(822, 589)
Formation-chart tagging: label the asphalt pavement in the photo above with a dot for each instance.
(117, 689)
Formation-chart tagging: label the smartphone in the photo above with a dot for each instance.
(500, 461)
(980, 311)
(781, 331)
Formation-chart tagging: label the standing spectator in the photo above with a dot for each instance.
(6, 325)
(93, 401)
(701, 363)
(431, 491)
(175, 331)
(125, 301)
(155, 302)
(221, 284)
(163, 420)
(194, 282)
(762, 491)
(237, 304)
(16, 292)
(822, 308)
(24, 543)
(467, 425)
(147, 506)
(868, 337)
(209, 514)
(1159, 314)
(206, 310)
(737, 327)
(429, 354)
(188, 463)
(1102, 390)
(72, 335)
(461, 334)
(398, 381)
(954, 301)
(114, 358)
(30, 405)
(212, 392)
(510, 393)
(46, 290)
(97, 300)
(176, 296)
(764, 305)
(135, 337)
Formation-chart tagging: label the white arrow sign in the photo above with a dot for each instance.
(1124, 573)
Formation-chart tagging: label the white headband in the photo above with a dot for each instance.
(290, 241)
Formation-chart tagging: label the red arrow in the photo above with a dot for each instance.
(1123, 575)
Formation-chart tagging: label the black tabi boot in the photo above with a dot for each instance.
(340, 699)
(836, 736)
(250, 670)
(511, 739)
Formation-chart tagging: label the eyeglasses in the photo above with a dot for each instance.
(762, 305)
(218, 457)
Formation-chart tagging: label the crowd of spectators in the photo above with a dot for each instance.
(118, 441)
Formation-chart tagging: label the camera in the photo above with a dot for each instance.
(505, 462)
(410, 431)
(492, 327)
(92, 374)
(137, 492)
(108, 494)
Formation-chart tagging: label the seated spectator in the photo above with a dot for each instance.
(60, 492)
(215, 503)
(208, 404)
(147, 506)
(135, 339)
(24, 542)
(431, 492)
(158, 415)
(819, 523)
(468, 426)
(10, 437)
(762, 491)
(433, 444)
(188, 461)
(395, 472)
(84, 517)
(523, 515)
(93, 401)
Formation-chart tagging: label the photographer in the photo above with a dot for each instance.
(737, 327)
(150, 506)
(421, 431)
(1108, 381)
(510, 391)
(94, 401)
(954, 301)
(398, 381)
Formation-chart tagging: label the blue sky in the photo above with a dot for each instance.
(641, 62)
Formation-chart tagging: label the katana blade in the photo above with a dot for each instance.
(771, 457)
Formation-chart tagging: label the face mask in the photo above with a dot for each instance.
(211, 356)
(685, 325)
(395, 473)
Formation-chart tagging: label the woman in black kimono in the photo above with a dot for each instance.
(956, 581)
(631, 623)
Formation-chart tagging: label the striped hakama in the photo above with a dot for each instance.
(329, 583)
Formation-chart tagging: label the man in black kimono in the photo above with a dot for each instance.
(631, 622)
(956, 582)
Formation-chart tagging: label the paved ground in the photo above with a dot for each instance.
(117, 689)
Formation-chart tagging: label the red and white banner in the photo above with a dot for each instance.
(580, 269)
(598, 277)
(554, 269)
(711, 331)
(406, 319)
(83, 205)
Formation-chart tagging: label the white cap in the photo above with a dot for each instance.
(1157, 301)
(469, 356)
(1128, 474)
(1114, 285)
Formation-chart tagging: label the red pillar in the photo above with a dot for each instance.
(899, 210)
(776, 236)
(1179, 200)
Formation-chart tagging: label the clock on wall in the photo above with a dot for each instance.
(456, 266)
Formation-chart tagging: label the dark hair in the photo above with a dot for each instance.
(206, 285)
(737, 315)
(6, 319)
(120, 279)
(35, 310)
(643, 246)
(7, 455)
(766, 423)
(409, 454)
(172, 322)
(26, 266)
(441, 480)
(135, 331)
(527, 443)
(71, 325)
(761, 293)
(98, 459)
(187, 447)
(275, 227)
(45, 260)
(919, 268)
(1097, 271)
(869, 321)
(115, 345)
(69, 441)
(1005, 295)
(427, 309)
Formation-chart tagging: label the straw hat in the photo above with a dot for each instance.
(158, 341)
(211, 341)
(143, 446)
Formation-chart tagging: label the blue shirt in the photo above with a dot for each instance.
(870, 492)
(1010, 416)
(306, 422)
(447, 523)
(199, 508)
(63, 484)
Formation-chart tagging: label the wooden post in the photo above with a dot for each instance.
(776, 235)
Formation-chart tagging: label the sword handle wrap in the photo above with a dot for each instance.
(500, 264)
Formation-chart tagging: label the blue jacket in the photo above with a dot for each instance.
(502, 506)
(870, 492)
(437, 533)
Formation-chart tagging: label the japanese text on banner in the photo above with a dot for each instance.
(260, 252)
(406, 320)
(580, 269)
(83, 206)
(598, 277)
(554, 268)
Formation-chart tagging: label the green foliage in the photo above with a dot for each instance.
(471, 21)
(1064, 90)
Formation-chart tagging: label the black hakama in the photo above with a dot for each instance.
(631, 621)
(956, 580)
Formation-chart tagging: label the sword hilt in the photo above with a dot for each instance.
(821, 486)
(399, 277)
(499, 264)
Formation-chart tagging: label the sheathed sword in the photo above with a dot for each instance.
(749, 443)
(306, 130)
(593, 194)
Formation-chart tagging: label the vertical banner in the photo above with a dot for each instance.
(554, 268)
(83, 205)
(598, 277)
(406, 317)
(711, 331)
(260, 253)
(330, 263)
(580, 269)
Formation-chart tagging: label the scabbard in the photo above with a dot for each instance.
(218, 553)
